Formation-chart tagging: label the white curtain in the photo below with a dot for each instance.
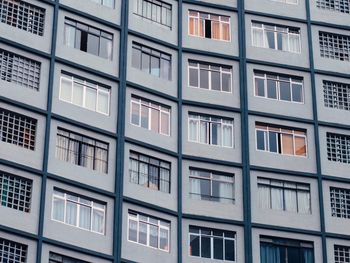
(101, 160)
(227, 136)
(258, 37)
(153, 236)
(226, 192)
(85, 217)
(87, 156)
(304, 202)
(62, 148)
(294, 43)
(143, 177)
(195, 188)
(90, 98)
(134, 171)
(277, 198)
(285, 44)
(203, 132)
(164, 239)
(78, 94)
(98, 221)
(66, 89)
(264, 196)
(290, 200)
(164, 180)
(58, 209)
(71, 213)
(193, 130)
(69, 35)
(103, 100)
(133, 230)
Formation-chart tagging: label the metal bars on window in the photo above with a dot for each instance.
(19, 70)
(22, 15)
(334, 46)
(338, 147)
(340, 202)
(336, 95)
(154, 10)
(342, 6)
(58, 258)
(341, 254)
(12, 252)
(17, 129)
(82, 150)
(150, 172)
(15, 192)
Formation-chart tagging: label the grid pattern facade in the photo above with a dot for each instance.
(17, 129)
(149, 128)
(334, 46)
(336, 95)
(19, 70)
(342, 6)
(338, 148)
(340, 202)
(23, 15)
(15, 192)
(341, 254)
(12, 251)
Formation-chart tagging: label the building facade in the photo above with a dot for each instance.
(175, 131)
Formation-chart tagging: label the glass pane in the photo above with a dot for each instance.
(93, 44)
(215, 80)
(66, 89)
(71, 213)
(85, 217)
(165, 123)
(205, 247)
(69, 36)
(165, 69)
(270, 36)
(226, 82)
(287, 144)
(142, 233)
(193, 77)
(146, 62)
(98, 221)
(218, 248)
(273, 144)
(205, 189)
(277, 198)
(271, 89)
(135, 113)
(259, 87)
(155, 66)
(136, 58)
(155, 120)
(103, 101)
(285, 93)
(90, 99)
(58, 209)
(78, 93)
(194, 245)
(144, 117)
(106, 48)
(216, 134)
(164, 239)
(133, 230)
(300, 146)
(260, 140)
(297, 92)
(204, 79)
(230, 250)
(153, 237)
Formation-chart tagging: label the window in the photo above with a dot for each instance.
(151, 61)
(334, 46)
(284, 195)
(340, 202)
(209, 76)
(149, 231)
(19, 70)
(150, 172)
(280, 140)
(81, 150)
(150, 115)
(210, 26)
(338, 148)
(88, 39)
(341, 254)
(212, 243)
(210, 130)
(154, 10)
(276, 37)
(15, 192)
(17, 129)
(342, 6)
(336, 95)
(23, 15)
(278, 87)
(212, 186)
(57, 258)
(85, 93)
(283, 250)
(78, 211)
(108, 3)
(13, 252)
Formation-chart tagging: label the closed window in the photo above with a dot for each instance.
(211, 186)
(336, 95)
(22, 15)
(12, 252)
(280, 140)
(282, 250)
(19, 70)
(85, 93)
(338, 147)
(150, 172)
(58, 258)
(341, 254)
(340, 202)
(88, 39)
(210, 130)
(284, 195)
(334, 46)
(15, 192)
(278, 87)
(81, 150)
(157, 11)
(210, 26)
(151, 61)
(150, 115)
(17, 129)
(149, 231)
(277, 37)
(341, 6)
(212, 243)
(209, 76)
(78, 211)
(108, 3)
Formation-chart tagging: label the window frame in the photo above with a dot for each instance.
(339, 141)
(278, 85)
(79, 204)
(343, 204)
(210, 70)
(14, 247)
(279, 143)
(158, 3)
(87, 84)
(136, 218)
